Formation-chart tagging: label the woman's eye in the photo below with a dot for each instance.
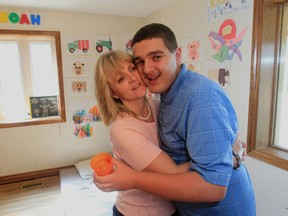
(120, 79)
(133, 68)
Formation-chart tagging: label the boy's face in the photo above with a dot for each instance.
(156, 65)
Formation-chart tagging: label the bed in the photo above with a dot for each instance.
(80, 196)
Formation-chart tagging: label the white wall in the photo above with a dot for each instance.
(38, 147)
(189, 18)
(25, 149)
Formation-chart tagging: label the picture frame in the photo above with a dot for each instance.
(44, 106)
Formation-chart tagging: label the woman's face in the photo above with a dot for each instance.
(127, 84)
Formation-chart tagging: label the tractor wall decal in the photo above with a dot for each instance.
(79, 45)
(103, 43)
(83, 45)
(128, 46)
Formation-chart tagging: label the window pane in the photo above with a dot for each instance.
(281, 126)
(44, 76)
(11, 87)
(31, 66)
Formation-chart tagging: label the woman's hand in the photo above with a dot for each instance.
(122, 178)
(240, 148)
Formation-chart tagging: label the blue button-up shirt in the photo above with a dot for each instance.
(197, 123)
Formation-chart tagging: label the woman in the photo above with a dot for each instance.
(131, 116)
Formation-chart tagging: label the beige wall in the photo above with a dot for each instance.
(25, 149)
(33, 148)
(189, 18)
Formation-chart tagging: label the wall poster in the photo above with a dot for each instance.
(44, 106)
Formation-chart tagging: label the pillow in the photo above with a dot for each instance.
(84, 169)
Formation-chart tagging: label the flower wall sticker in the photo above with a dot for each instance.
(82, 121)
(83, 130)
(94, 114)
(225, 42)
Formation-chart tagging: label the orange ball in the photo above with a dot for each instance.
(102, 164)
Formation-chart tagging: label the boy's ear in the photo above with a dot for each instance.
(178, 54)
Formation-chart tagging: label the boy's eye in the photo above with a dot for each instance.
(156, 57)
(138, 62)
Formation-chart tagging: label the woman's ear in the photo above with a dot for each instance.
(114, 95)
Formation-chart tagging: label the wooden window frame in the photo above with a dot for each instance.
(267, 22)
(61, 104)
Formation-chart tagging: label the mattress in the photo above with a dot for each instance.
(81, 197)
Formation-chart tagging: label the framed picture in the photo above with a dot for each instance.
(44, 106)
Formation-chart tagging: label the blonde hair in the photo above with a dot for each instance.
(108, 66)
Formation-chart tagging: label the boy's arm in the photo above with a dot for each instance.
(189, 186)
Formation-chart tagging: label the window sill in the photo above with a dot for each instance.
(29, 122)
(272, 156)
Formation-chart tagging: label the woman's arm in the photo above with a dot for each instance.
(133, 145)
(164, 164)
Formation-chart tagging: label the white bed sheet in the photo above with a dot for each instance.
(81, 197)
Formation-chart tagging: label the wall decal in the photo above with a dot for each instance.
(192, 48)
(44, 106)
(24, 18)
(192, 52)
(219, 75)
(225, 42)
(128, 46)
(79, 66)
(127, 42)
(194, 66)
(83, 130)
(218, 72)
(83, 121)
(80, 45)
(105, 43)
(221, 9)
(101, 44)
(94, 114)
(81, 86)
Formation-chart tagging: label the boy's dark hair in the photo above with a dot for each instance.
(156, 30)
